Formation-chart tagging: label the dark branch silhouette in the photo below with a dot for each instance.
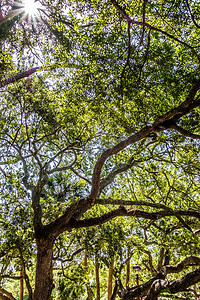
(17, 77)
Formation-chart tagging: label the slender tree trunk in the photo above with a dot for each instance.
(110, 276)
(97, 278)
(44, 269)
(138, 282)
(89, 293)
(127, 267)
(25, 277)
(85, 259)
(1, 15)
(21, 293)
(167, 257)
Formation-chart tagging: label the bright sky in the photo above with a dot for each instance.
(31, 7)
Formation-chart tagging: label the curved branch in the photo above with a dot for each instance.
(122, 202)
(156, 284)
(69, 147)
(122, 211)
(161, 123)
(188, 261)
(174, 286)
(71, 257)
(58, 169)
(117, 170)
(62, 223)
(183, 109)
(141, 203)
(99, 220)
(114, 150)
(68, 220)
(80, 176)
(192, 15)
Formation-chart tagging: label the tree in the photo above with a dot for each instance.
(112, 121)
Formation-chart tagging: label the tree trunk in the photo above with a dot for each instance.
(97, 278)
(138, 282)
(89, 293)
(21, 293)
(160, 259)
(44, 269)
(25, 278)
(110, 275)
(127, 267)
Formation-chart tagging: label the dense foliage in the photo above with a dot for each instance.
(99, 160)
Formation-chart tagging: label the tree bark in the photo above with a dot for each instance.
(44, 269)
(127, 267)
(21, 293)
(160, 259)
(97, 278)
(5, 295)
(110, 275)
(17, 77)
(89, 293)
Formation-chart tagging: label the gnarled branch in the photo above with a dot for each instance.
(155, 285)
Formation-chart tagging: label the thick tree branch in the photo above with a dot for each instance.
(140, 203)
(122, 202)
(117, 148)
(174, 114)
(156, 284)
(161, 123)
(122, 211)
(174, 286)
(5, 292)
(19, 76)
(62, 223)
(76, 210)
(36, 193)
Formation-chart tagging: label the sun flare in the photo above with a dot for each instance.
(31, 7)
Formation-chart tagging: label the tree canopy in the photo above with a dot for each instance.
(99, 139)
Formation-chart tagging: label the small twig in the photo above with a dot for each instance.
(192, 15)
(185, 132)
(145, 24)
(128, 56)
(143, 19)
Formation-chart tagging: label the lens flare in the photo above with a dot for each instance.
(32, 7)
